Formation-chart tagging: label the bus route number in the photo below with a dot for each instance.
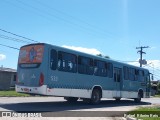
(54, 78)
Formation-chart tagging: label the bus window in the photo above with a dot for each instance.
(117, 74)
(141, 75)
(67, 62)
(110, 70)
(85, 65)
(100, 68)
(126, 73)
(136, 74)
(131, 73)
(53, 59)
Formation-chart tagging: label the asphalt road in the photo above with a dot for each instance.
(58, 107)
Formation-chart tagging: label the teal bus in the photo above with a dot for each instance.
(51, 70)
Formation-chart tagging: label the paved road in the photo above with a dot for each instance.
(57, 106)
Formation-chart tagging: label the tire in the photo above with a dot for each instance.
(96, 97)
(138, 100)
(71, 99)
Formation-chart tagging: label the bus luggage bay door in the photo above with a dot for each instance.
(117, 81)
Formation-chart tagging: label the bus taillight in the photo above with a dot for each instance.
(41, 80)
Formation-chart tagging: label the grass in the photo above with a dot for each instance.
(146, 113)
(157, 95)
(12, 93)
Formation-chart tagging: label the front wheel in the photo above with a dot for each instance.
(96, 97)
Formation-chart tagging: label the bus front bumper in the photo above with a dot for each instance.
(32, 90)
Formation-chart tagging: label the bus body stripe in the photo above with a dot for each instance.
(81, 93)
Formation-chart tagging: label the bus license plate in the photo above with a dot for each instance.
(26, 89)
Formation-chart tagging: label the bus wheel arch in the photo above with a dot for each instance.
(96, 95)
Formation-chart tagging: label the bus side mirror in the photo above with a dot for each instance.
(152, 77)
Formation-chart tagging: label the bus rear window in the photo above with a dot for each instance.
(32, 54)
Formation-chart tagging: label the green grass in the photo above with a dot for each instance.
(146, 113)
(12, 93)
(157, 95)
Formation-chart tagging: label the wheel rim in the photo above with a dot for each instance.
(96, 97)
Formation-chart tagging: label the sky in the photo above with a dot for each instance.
(113, 28)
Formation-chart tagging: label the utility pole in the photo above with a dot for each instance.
(141, 53)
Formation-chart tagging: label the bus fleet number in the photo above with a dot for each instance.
(54, 78)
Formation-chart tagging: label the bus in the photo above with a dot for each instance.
(51, 70)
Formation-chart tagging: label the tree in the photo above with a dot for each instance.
(100, 55)
(106, 56)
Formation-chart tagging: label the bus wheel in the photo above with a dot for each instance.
(96, 97)
(137, 100)
(71, 99)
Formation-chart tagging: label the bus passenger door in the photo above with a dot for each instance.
(148, 86)
(117, 81)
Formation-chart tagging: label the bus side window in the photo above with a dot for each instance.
(141, 75)
(85, 65)
(67, 62)
(131, 73)
(110, 70)
(100, 68)
(126, 73)
(53, 59)
(136, 74)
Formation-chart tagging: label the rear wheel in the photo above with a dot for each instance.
(96, 97)
(71, 99)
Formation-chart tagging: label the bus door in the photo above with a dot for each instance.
(117, 81)
(148, 85)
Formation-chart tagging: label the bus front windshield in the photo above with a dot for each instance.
(31, 56)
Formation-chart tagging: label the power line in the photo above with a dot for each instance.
(128, 61)
(157, 71)
(73, 17)
(157, 76)
(50, 14)
(18, 35)
(62, 19)
(153, 68)
(13, 39)
(44, 14)
(9, 46)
